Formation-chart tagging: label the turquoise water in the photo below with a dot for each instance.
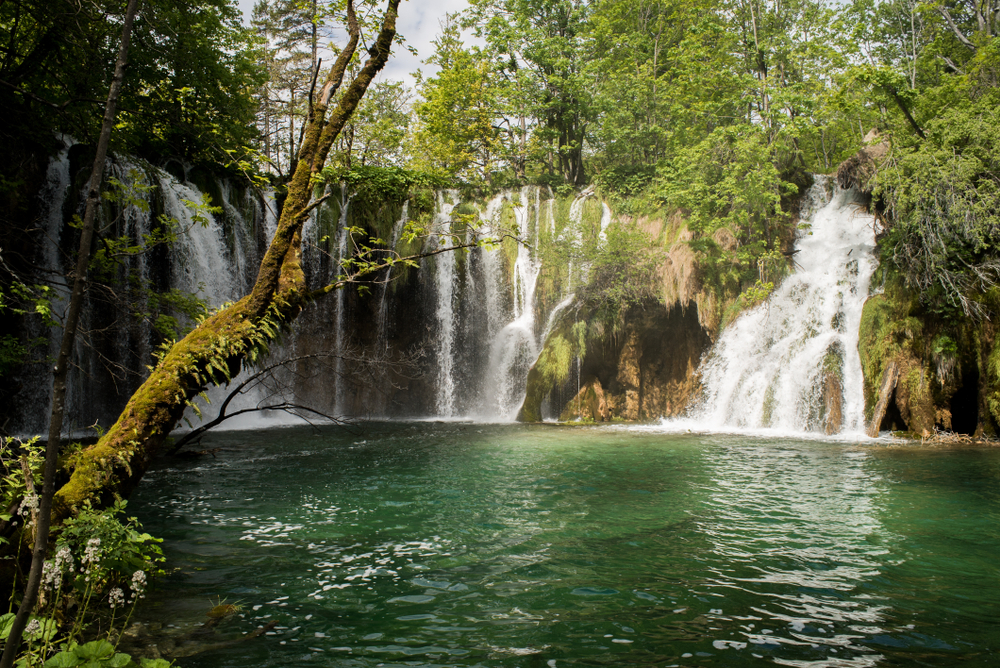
(482, 545)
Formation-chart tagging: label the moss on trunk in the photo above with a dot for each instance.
(239, 333)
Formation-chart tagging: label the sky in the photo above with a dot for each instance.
(419, 22)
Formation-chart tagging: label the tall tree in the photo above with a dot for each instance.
(61, 369)
(457, 117)
(544, 44)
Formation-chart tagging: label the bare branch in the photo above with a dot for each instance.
(954, 28)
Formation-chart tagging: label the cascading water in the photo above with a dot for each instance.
(514, 347)
(444, 282)
(768, 368)
(340, 397)
(202, 263)
(476, 313)
(53, 198)
(492, 262)
(383, 304)
(215, 259)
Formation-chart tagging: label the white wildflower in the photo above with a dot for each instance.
(64, 559)
(139, 584)
(28, 504)
(116, 598)
(51, 575)
(93, 551)
(32, 628)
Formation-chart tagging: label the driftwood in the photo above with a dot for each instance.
(885, 392)
(193, 649)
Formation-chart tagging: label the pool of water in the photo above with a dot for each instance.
(423, 544)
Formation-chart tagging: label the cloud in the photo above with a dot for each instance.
(419, 22)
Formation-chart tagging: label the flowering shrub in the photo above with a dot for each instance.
(89, 587)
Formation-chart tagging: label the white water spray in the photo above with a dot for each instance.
(767, 369)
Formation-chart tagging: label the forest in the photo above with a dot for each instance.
(639, 173)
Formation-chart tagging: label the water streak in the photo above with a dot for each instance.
(445, 276)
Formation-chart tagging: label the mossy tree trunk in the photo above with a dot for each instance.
(217, 348)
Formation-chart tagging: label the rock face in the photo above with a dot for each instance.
(833, 402)
(923, 372)
(887, 389)
(589, 404)
(858, 170)
(646, 372)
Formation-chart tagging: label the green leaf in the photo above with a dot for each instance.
(6, 621)
(96, 649)
(119, 660)
(63, 660)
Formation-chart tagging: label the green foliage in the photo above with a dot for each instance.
(196, 99)
(124, 548)
(555, 361)
(729, 180)
(99, 654)
(932, 71)
(378, 127)
(375, 183)
(12, 354)
(623, 275)
(42, 630)
(188, 86)
(456, 132)
(13, 484)
(540, 50)
(888, 329)
(98, 557)
(943, 200)
(111, 253)
(30, 300)
(171, 312)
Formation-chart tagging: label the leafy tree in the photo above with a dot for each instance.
(376, 133)
(288, 30)
(934, 71)
(542, 49)
(456, 117)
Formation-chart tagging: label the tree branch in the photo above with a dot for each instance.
(954, 28)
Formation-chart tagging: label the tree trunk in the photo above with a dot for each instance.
(885, 391)
(61, 369)
(216, 350)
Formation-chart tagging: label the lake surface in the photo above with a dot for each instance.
(423, 544)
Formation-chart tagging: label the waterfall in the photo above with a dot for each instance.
(493, 270)
(383, 305)
(215, 255)
(34, 395)
(559, 308)
(339, 324)
(444, 282)
(475, 313)
(605, 221)
(201, 261)
(771, 368)
(514, 347)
